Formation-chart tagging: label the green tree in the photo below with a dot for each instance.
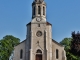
(66, 42)
(7, 46)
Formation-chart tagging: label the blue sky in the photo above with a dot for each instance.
(64, 15)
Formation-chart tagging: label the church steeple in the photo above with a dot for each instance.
(38, 8)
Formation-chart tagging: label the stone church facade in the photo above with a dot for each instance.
(39, 44)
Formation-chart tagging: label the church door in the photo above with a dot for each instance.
(39, 57)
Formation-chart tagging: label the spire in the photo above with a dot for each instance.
(38, 8)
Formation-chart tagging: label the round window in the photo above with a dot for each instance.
(39, 33)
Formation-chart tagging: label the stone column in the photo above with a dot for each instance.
(31, 54)
(64, 55)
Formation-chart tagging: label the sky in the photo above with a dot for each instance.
(64, 15)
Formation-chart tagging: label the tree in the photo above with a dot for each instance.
(7, 45)
(66, 42)
(75, 44)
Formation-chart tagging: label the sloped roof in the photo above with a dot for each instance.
(21, 42)
(57, 43)
(29, 23)
(47, 23)
(52, 41)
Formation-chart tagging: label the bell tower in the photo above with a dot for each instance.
(39, 9)
(39, 36)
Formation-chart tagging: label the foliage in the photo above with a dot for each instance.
(75, 44)
(7, 45)
(66, 42)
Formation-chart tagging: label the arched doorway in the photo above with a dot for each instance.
(39, 55)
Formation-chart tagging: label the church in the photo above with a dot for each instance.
(39, 44)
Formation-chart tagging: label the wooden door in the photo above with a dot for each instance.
(38, 57)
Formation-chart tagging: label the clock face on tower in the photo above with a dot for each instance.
(39, 33)
(38, 19)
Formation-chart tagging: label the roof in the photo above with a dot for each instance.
(29, 23)
(21, 42)
(57, 43)
(47, 23)
(38, 2)
(52, 40)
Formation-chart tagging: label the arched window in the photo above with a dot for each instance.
(38, 51)
(34, 10)
(38, 54)
(39, 10)
(43, 10)
(57, 54)
(21, 54)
